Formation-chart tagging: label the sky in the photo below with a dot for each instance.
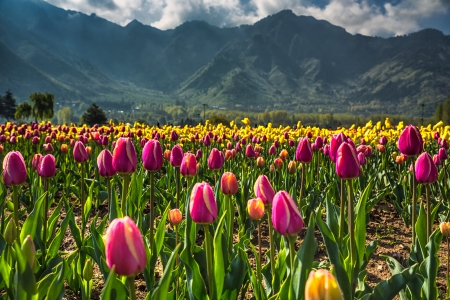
(367, 17)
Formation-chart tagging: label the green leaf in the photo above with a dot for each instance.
(219, 261)
(421, 229)
(30, 224)
(429, 267)
(57, 285)
(414, 285)
(164, 283)
(360, 223)
(74, 229)
(304, 260)
(114, 289)
(56, 243)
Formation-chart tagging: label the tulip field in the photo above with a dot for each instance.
(131, 211)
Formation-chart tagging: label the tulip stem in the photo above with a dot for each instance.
(259, 252)
(131, 288)
(178, 185)
(302, 187)
(230, 224)
(272, 246)
(413, 206)
(292, 253)
(427, 193)
(342, 214)
(108, 201)
(126, 183)
(44, 248)
(209, 262)
(16, 208)
(152, 218)
(448, 267)
(351, 230)
(82, 201)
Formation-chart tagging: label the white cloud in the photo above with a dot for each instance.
(356, 16)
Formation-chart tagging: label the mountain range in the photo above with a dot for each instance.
(283, 61)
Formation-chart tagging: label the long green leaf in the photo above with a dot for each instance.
(429, 267)
(30, 224)
(56, 243)
(164, 283)
(219, 261)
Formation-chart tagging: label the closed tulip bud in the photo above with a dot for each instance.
(64, 148)
(105, 140)
(272, 168)
(47, 166)
(105, 165)
(202, 205)
(124, 247)
(13, 140)
(400, 159)
(444, 144)
(303, 153)
(260, 162)
(207, 141)
(381, 148)
(249, 151)
(10, 232)
(228, 155)
(88, 270)
(176, 156)
(29, 251)
(278, 162)
(79, 152)
(362, 159)
(238, 147)
(284, 154)
(321, 285)
(442, 154)
(173, 136)
(436, 160)
(292, 167)
(426, 171)
(291, 143)
(383, 140)
(215, 159)
(394, 155)
(335, 143)
(255, 208)
(445, 228)
(175, 216)
(48, 148)
(229, 184)
(286, 217)
(198, 154)
(167, 154)
(318, 143)
(347, 165)
(326, 150)
(273, 150)
(88, 150)
(188, 167)
(124, 156)
(436, 135)
(35, 161)
(152, 156)
(14, 169)
(410, 141)
(264, 190)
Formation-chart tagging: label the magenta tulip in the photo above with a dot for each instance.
(286, 217)
(176, 156)
(410, 141)
(202, 205)
(336, 141)
(152, 156)
(347, 165)
(188, 167)
(362, 159)
(442, 154)
(263, 189)
(105, 165)
(14, 169)
(273, 150)
(124, 156)
(249, 151)
(383, 140)
(318, 143)
(47, 166)
(303, 153)
(215, 159)
(173, 136)
(436, 160)
(124, 247)
(426, 171)
(79, 152)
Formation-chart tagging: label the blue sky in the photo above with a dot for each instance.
(367, 17)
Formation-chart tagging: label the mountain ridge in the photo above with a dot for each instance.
(282, 61)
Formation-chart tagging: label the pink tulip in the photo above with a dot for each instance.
(105, 165)
(336, 141)
(202, 205)
(229, 184)
(362, 159)
(347, 165)
(318, 143)
(286, 217)
(79, 152)
(35, 161)
(152, 156)
(273, 150)
(410, 141)
(215, 159)
(14, 169)
(383, 140)
(188, 167)
(303, 153)
(426, 171)
(263, 189)
(176, 156)
(124, 247)
(249, 151)
(124, 156)
(442, 154)
(436, 160)
(173, 136)
(47, 166)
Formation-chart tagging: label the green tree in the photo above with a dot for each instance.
(216, 120)
(9, 105)
(64, 115)
(23, 111)
(446, 112)
(94, 115)
(439, 113)
(42, 105)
